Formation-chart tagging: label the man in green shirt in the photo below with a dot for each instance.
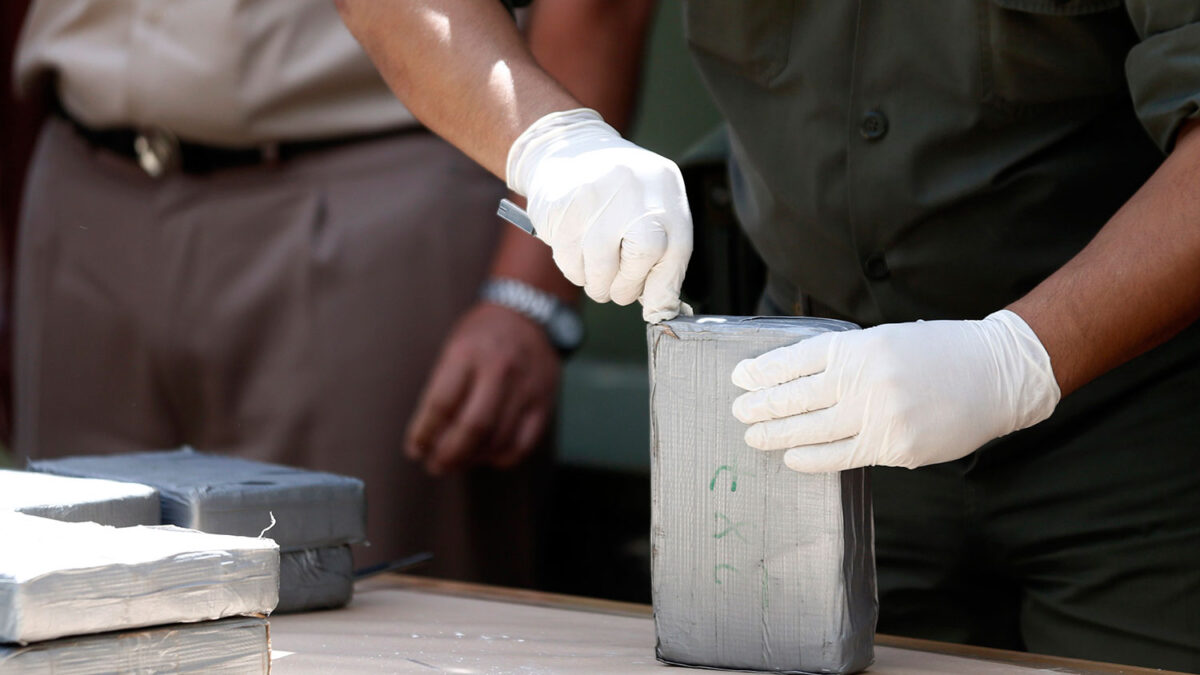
(1006, 191)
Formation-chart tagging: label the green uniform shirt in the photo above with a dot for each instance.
(904, 159)
(938, 158)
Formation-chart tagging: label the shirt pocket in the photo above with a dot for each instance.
(752, 38)
(1050, 53)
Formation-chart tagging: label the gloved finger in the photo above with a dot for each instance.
(784, 364)
(660, 296)
(568, 255)
(825, 457)
(550, 226)
(642, 246)
(801, 395)
(820, 426)
(601, 254)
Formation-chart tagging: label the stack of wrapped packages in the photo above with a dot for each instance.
(166, 561)
(90, 583)
(313, 516)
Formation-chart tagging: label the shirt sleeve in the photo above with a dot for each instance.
(1163, 69)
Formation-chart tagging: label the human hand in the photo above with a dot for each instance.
(615, 215)
(907, 394)
(490, 396)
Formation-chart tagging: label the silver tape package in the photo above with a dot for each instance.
(315, 578)
(59, 579)
(754, 566)
(78, 500)
(230, 495)
(237, 645)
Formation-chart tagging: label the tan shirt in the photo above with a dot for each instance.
(224, 72)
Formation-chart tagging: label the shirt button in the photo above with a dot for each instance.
(876, 267)
(874, 125)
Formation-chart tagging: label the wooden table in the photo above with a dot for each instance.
(403, 624)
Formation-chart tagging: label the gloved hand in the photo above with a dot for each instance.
(907, 394)
(615, 215)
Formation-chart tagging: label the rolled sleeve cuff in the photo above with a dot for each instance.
(1164, 79)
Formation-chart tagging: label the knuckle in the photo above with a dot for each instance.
(438, 410)
(780, 403)
(623, 172)
(473, 430)
(599, 294)
(645, 240)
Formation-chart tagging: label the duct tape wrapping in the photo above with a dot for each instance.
(78, 500)
(238, 645)
(229, 495)
(315, 578)
(754, 566)
(59, 579)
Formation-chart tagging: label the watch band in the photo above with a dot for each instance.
(562, 323)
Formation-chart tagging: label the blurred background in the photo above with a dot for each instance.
(596, 541)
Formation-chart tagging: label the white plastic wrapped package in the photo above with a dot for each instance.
(59, 579)
(78, 500)
(239, 645)
(755, 567)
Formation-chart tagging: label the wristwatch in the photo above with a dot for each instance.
(562, 323)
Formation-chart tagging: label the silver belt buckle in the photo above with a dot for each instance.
(157, 151)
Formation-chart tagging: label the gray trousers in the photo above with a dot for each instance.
(285, 313)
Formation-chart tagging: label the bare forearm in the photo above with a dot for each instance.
(594, 48)
(461, 67)
(1135, 285)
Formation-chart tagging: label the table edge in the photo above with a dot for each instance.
(526, 596)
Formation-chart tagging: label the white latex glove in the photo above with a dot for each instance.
(615, 214)
(906, 394)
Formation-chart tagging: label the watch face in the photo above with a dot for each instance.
(565, 329)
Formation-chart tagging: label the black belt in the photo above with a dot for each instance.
(159, 151)
(785, 297)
